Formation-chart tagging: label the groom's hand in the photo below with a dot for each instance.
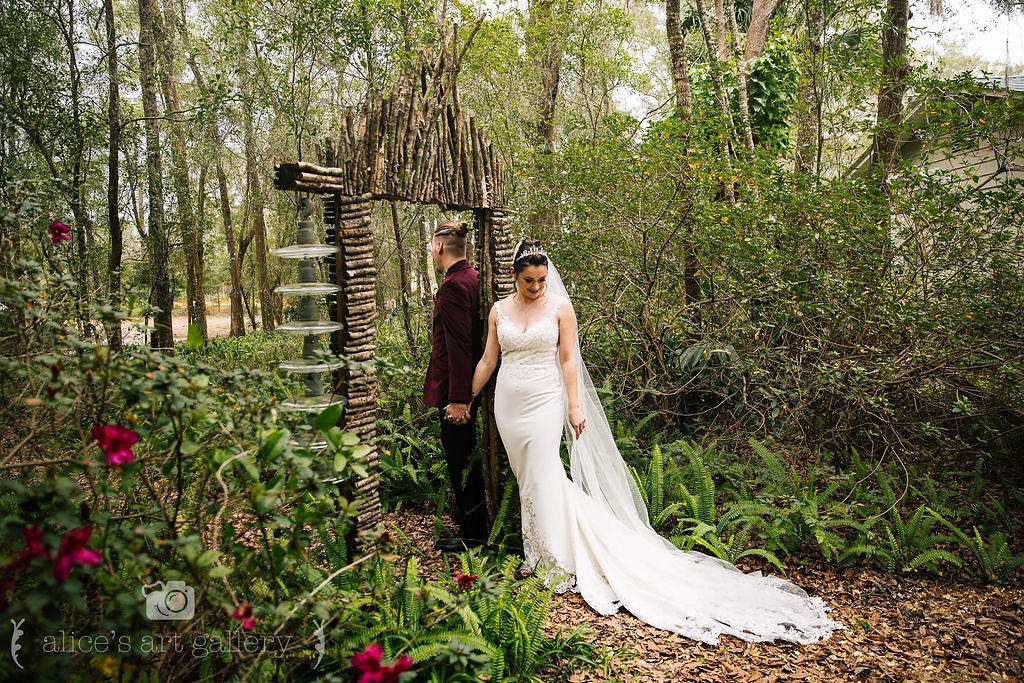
(457, 413)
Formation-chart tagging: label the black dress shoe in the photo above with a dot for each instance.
(457, 544)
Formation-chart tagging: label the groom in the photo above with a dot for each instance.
(456, 342)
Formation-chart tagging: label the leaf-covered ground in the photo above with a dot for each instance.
(899, 628)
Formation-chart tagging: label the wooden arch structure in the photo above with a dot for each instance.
(415, 145)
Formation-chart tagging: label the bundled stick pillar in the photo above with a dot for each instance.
(355, 308)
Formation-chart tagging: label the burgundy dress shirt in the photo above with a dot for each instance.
(455, 338)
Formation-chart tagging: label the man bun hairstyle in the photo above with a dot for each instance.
(453, 234)
(530, 253)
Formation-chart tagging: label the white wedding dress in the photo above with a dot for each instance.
(605, 551)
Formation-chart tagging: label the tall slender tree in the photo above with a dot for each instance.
(895, 69)
(237, 311)
(254, 205)
(403, 274)
(168, 27)
(158, 241)
(679, 62)
(113, 169)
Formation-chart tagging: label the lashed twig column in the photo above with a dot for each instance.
(355, 273)
(494, 261)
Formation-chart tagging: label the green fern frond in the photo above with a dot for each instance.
(704, 482)
(765, 554)
(859, 550)
(656, 482)
(501, 518)
(929, 557)
(666, 514)
(780, 474)
(429, 646)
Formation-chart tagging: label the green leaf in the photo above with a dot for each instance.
(250, 467)
(274, 445)
(195, 337)
(220, 571)
(207, 558)
(328, 418)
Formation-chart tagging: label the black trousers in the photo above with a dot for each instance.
(465, 471)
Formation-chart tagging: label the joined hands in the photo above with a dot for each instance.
(457, 413)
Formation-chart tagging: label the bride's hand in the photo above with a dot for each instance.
(577, 421)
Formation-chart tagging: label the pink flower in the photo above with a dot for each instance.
(244, 614)
(369, 662)
(465, 581)
(116, 441)
(33, 548)
(73, 551)
(33, 541)
(59, 232)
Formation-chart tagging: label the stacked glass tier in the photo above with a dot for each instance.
(314, 361)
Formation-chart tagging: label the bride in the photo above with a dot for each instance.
(594, 528)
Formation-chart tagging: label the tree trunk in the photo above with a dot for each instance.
(894, 84)
(403, 270)
(544, 46)
(234, 260)
(86, 272)
(545, 53)
(808, 120)
(721, 32)
(742, 91)
(677, 53)
(714, 64)
(161, 296)
(191, 234)
(760, 21)
(426, 295)
(254, 208)
(113, 173)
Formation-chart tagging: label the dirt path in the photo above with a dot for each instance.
(899, 628)
(218, 324)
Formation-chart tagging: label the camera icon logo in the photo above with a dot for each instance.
(175, 600)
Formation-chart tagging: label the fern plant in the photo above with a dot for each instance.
(908, 542)
(993, 560)
(483, 624)
(727, 537)
(499, 532)
(652, 486)
(514, 621)
(804, 510)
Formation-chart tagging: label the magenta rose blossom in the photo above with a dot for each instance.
(116, 441)
(374, 671)
(465, 581)
(33, 548)
(244, 614)
(60, 232)
(73, 551)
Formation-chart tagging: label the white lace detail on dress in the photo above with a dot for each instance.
(533, 352)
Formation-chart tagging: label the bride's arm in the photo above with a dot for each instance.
(485, 368)
(567, 358)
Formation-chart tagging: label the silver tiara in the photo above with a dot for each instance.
(532, 250)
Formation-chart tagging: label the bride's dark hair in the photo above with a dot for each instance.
(530, 253)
